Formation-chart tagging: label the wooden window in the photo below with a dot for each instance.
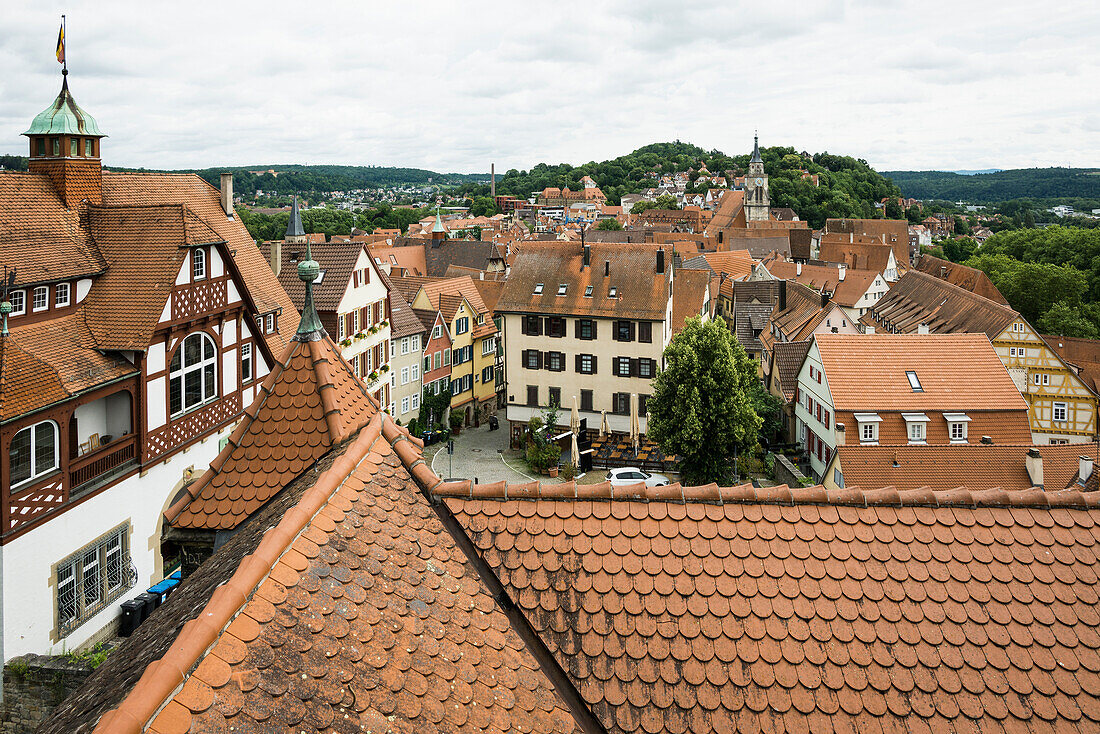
(1060, 412)
(74, 147)
(18, 301)
(532, 395)
(645, 332)
(246, 362)
(532, 326)
(586, 329)
(555, 396)
(586, 400)
(41, 298)
(647, 368)
(555, 361)
(586, 364)
(624, 331)
(61, 294)
(198, 262)
(88, 146)
(33, 452)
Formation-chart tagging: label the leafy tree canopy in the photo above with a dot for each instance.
(1032, 288)
(664, 201)
(609, 225)
(331, 221)
(702, 403)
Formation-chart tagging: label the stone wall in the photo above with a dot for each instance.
(787, 473)
(34, 685)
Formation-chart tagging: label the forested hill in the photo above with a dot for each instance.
(302, 179)
(990, 188)
(847, 187)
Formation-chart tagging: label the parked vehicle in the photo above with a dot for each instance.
(626, 475)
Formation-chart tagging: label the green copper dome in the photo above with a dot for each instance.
(64, 117)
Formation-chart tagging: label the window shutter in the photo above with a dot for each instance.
(577, 328)
(593, 364)
(578, 363)
(594, 322)
(634, 371)
(564, 326)
(538, 360)
(631, 331)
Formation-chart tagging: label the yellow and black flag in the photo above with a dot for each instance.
(61, 43)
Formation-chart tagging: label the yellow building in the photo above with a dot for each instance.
(473, 344)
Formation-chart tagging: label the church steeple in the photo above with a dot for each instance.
(756, 187)
(438, 231)
(756, 149)
(295, 235)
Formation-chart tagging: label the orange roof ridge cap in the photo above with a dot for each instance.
(156, 686)
(328, 400)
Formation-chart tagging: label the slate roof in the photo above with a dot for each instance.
(958, 372)
(312, 390)
(642, 293)
(975, 466)
(971, 279)
(918, 298)
(762, 610)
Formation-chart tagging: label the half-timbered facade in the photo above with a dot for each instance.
(141, 319)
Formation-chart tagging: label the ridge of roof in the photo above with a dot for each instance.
(163, 677)
(743, 494)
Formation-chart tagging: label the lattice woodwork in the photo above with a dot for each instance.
(199, 299)
(25, 507)
(186, 428)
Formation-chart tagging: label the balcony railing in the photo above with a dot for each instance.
(101, 462)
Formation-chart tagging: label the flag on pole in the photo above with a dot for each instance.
(61, 44)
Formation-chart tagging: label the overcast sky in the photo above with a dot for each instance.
(454, 85)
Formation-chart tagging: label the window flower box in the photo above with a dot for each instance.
(360, 335)
(345, 343)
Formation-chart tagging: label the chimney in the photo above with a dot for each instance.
(987, 440)
(798, 268)
(782, 295)
(1085, 468)
(840, 435)
(227, 195)
(606, 268)
(587, 255)
(660, 261)
(922, 328)
(843, 271)
(1033, 462)
(276, 256)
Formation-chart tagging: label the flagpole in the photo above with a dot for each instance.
(64, 40)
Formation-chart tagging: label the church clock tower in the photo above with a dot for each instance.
(756, 187)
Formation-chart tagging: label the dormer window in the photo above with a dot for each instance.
(915, 427)
(538, 289)
(956, 426)
(41, 298)
(198, 260)
(18, 301)
(88, 147)
(914, 382)
(562, 288)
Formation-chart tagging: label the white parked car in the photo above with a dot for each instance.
(626, 475)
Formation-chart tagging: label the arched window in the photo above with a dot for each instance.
(198, 256)
(193, 374)
(33, 452)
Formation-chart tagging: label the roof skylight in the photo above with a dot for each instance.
(612, 292)
(562, 288)
(538, 289)
(913, 381)
(588, 291)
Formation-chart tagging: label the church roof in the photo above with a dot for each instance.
(64, 117)
(294, 226)
(756, 150)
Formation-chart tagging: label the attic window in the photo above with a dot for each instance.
(588, 291)
(562, 288)
(913, 381)
(320, 276)
(538, 289)
(612, 292)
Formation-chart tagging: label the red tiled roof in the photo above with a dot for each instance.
(971, 279)
(309, 403)
(825, 278)
(689, 293)
(961, 372)
(764, 610)
(918, 298)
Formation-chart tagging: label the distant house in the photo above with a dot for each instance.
(893, 232)
(855, 291)
(904, 389)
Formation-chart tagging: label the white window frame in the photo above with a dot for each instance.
(414, 372)
(41, 294)
(866, 421)
(1057, 407)
(404, 378)
(246, 362)
(181, 372)
(405, 405)
(198, 264)
(488, 346)
(37, 472)
(414, 343)
(957, 432)
(415, 405)
(405, 345)
(18, 301)
(271, 323)
(60, 300)
(916, 427)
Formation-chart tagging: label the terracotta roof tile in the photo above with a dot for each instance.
(309, 403)
(689, 293)
(893, 232)
(1082, 354)
(826, 278)
(706, 609)
(961, 372)
(337, 261)
(918, 298)
(788, 361)
(856, 255)
(971, 279)
(642, 293)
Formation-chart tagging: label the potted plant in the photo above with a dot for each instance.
(345, 343)
(385, 368)
(361, 335)
(384, 323)
(373, 330)
(373, 376)
(568, 472)
(456, 423)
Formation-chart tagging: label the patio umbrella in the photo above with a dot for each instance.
(575, 453)
(634, 421)
(604, 430)
(575, 418)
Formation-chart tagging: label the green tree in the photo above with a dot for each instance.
(959, 249)
(770, 409)
(1032, 288)
(483, 206)
(702, 404)
(609, 225)
(664, 201)
(961, 226)
(1065, 320)
(893, 210)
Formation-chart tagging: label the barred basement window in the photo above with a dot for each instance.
(92, 578)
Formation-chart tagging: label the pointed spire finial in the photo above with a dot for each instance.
(438, 222)
(756, 148)
(309, 328)
(294, 226)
